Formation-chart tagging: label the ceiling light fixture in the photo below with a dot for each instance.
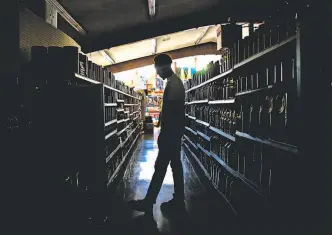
(152, 8)
(67, 16)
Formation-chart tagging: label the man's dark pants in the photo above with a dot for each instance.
(169, 152)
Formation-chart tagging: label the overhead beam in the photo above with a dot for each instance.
(107, 56)
(215, 15)
(202, 49)
(67, 16)
(199, 39)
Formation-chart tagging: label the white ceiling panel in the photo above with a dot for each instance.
(145, 48)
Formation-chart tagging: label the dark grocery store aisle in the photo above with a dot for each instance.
(204, 213)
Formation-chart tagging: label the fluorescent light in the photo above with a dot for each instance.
(67, 16)
(152, 7)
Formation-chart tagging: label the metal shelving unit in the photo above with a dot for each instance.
(117, 158)
(243, 65)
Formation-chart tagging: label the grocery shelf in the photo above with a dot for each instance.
(187, 138)
(211, 80)
(113, 153)
(108, 87)
(203, 123)
(198, 102)
(111, 122)
(191, 130)
(121, 92)
(253, 91)
(131, 133)
(229, 101)
(282, 146)
(111, 104)
(245, 62)
(203, 135)
(120, 121)
(209, 177)
(120, 132)
(121, 163)
(204, 150)
(266, 51)
(221, 162)
(86, 79)
(191, 117)
(222, 133)
(236, 173)
(199, 162)
(110, 134)
(133, 113)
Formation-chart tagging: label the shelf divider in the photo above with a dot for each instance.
(222, 133)
(211, 80)
(187, 138)
(191, 117)
(106, 86)
(191, 130)
(253, 91)
(120, 132)
(282, 146)
(230, 101)
(113, 153)
(199, 102)
(111, 104)
(266, 51)
(203, 123)
(110, 123)
(204, 136)
(204, 150)
(110, 134)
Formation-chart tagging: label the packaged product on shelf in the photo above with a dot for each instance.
(83, 65)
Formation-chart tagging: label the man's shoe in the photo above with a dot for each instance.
(141, 205)
(173, 206)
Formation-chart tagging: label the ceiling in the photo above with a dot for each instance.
(163, 43)
(99, 16)
(111, 23)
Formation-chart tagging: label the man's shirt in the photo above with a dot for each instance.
(173, 112)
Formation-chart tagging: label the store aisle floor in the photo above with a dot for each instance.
(204, 213)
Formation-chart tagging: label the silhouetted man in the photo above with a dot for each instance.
(169, 141)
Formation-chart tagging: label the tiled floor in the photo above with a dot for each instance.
(205, 214)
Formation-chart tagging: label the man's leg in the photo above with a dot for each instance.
(160, 169)
(177, 170)
(177, 203)
(146, 204)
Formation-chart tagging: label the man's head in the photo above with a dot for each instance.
(162, 63)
